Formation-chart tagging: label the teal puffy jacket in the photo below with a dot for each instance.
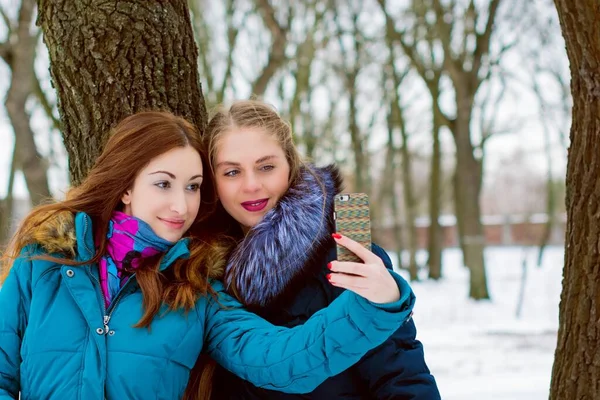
(58, 342)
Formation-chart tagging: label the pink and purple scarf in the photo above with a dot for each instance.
(129, 241)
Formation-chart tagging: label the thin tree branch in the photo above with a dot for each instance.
(232, 34)
(5, 52)
(452, 65)
(418, 62)
(6, 20)
(203, 40)
(483, 40)
(469, 27)
(279, 40)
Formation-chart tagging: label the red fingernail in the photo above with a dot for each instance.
(328, 277)
(336, 235)
(329, 265)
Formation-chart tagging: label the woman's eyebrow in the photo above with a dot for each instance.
(228, 163)
(163, 172)
(265, 158)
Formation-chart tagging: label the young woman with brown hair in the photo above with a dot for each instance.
(108, 294)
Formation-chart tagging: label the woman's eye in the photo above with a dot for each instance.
(194, 187)
(267, 167)
(163, 184)
(232, 173)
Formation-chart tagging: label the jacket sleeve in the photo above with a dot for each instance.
(13, 303)
(396, 369)
(297, 360)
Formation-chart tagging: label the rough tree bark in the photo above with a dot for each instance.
(113, 58)
(576, 370)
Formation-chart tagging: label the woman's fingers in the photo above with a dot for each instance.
(356, 248)
(371, 280)
(352, 282)
(348, 267)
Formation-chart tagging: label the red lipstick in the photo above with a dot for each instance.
(255, 205)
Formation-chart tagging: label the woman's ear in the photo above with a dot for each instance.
(126, 198)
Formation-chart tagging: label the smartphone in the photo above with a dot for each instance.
(351, 216)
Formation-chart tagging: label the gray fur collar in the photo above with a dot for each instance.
(284, 246)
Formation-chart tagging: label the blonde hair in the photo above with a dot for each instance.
(252, 114)
(241, 114)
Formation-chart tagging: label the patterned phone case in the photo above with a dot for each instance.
(352, 220)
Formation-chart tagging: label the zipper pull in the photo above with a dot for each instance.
(106, 320)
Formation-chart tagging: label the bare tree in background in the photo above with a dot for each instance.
(351, 45)
(18, 52)
(397, 123)
(279, 40)
(213, 54)
(301, 114)
(463, 32)
(547, 77)
(111, 59)
(430, 68)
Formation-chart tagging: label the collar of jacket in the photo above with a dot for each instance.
(282, 248)
(72, 236)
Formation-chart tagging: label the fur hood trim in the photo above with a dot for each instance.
(282, 248)
(55, 233)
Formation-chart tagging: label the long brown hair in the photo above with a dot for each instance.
(133, 143)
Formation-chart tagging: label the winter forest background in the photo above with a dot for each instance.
(453, 115)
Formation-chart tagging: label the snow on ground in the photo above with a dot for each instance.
(481, 350)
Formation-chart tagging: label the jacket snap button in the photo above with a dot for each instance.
(100, 331)
(111, 333)
(70, 273)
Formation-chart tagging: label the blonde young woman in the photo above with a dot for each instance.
(278, 212)
(109, 294)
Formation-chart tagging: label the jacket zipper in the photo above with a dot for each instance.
(114, 302)
(107, 313)
(106, 316)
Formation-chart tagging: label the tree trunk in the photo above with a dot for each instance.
(360, 162)
(576, 370)
(434, 233)
(388, 191)
(32, 164)
(6, 204)
(467, 190)
(113, 58)
(409, 199)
